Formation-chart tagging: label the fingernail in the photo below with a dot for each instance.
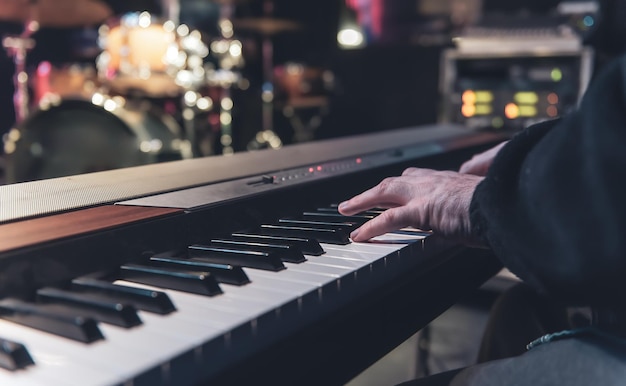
(354, 234)
(343, 205)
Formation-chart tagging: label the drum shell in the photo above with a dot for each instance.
(139, 59)
(77, 137)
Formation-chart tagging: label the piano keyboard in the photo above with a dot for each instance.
(182, 318)
(170, 347)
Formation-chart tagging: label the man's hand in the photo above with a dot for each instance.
(422, 198)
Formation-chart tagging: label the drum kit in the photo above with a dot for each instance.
(140, 100)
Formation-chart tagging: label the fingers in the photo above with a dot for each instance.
(390, 193)
(390, 220)
(393, 194)
(423, 198)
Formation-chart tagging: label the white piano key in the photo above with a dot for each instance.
(330, 271)
(237, 309)
(197, 307)
(395, 238)
(268, 296)
(371, 248)
(25, 377)
(249, 302)
(60, 361)
(332, 261)
(310, 280)
(292, 283)
(200, 319)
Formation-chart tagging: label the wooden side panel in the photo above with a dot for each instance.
(39, 230)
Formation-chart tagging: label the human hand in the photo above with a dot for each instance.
(479, 164)
(422, 198)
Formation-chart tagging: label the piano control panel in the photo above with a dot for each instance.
(203, 196)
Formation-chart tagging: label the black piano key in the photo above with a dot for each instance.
(330, 216)
(308, 246)
(334, 208)
(287, 253)
(412, 232)
(224, 273)
(373, 212)
(147, 300)
(54, 321)
(196, 282)
(331, 213)
(331, 236)
(340, 225)
(252, 259)
(14, 355)
(106, 311)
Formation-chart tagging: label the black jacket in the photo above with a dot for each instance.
(553, 205)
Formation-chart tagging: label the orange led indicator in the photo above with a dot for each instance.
(468, 97)
(511, 111)
(358, 160)
(468, 110)
(311, 170)
(319, 168)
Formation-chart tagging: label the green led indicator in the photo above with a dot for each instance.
(497, 122)
(556, 74)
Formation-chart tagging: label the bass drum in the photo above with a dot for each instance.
(77, 137)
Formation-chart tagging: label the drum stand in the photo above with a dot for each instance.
(267, 137)
(17, 47)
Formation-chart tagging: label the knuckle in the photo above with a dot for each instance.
(387, 184)
(388, 216)
(409, 171)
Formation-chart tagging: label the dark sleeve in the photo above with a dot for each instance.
(553, 205)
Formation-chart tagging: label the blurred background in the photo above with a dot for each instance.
(89, 85)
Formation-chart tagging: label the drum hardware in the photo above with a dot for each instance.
(171, 65)
(266, 26)
(305, 116)
(171, 10)
(36, 14)
(17, 47)
(303, 97)
(79, 124)
(222, 77)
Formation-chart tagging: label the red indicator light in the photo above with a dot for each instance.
(553, 98)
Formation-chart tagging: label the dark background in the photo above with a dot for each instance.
(382, 86)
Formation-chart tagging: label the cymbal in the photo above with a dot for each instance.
(56, 13)
(228, 2)
(266, 25)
